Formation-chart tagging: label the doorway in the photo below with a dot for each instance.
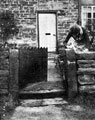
(47, 31)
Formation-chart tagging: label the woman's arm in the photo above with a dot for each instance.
(67, 38)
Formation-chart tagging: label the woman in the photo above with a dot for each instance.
(77, 38)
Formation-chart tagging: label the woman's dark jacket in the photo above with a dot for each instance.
(84, 39)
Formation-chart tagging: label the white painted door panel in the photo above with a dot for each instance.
(47, 31)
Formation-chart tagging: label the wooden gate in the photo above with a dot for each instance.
(32, 66)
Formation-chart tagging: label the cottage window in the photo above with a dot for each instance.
(88, 18)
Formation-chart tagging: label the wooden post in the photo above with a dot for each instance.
(71, 74)
(14, 69)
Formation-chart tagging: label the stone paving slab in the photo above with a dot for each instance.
(50, 109)
(53, 72)
(43, 102)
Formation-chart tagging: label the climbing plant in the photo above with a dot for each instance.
(8, 27)
(90, 27)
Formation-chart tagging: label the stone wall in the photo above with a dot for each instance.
(4, 70)
(19, 67)
(9, 68)
(8, 80)
(25, 12)
(79, 70)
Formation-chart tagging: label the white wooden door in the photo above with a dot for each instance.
(47, 31)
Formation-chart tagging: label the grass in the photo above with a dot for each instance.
(7, 104)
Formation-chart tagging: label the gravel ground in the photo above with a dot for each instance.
(81, 108)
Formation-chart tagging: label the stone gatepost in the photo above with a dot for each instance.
(14, 72)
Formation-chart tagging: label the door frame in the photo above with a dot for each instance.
(46, 12)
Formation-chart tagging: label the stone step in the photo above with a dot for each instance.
(43, 90)
(43, 102)
(41, 94)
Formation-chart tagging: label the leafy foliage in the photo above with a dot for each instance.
(8, 26)
(7, 104)
(90, 26)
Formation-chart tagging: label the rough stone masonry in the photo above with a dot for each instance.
(25, 12)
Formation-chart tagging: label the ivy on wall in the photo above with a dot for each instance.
(90, 27)
(8, 27)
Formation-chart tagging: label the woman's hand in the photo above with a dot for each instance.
(64, 44)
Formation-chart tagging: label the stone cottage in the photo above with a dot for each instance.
(45, 23)
(41, 23)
